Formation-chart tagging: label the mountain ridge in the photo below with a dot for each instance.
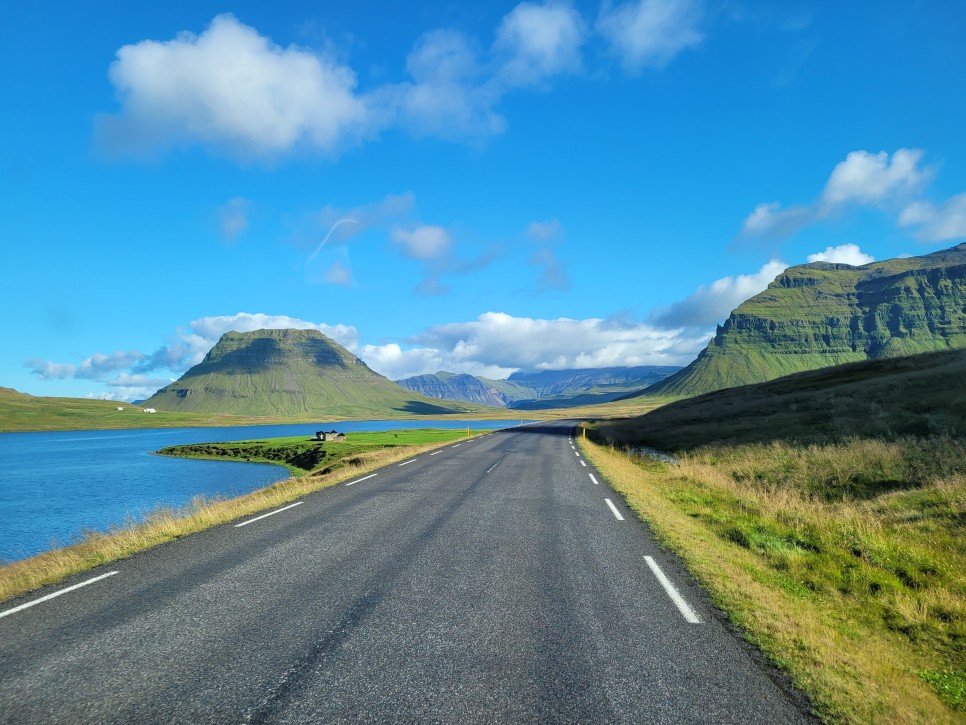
(542, 389)
(821, 314)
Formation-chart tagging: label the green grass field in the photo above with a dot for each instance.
(305, 456)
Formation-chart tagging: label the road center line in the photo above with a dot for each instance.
(686, 611)
(613, 510)
(493, 466)
(596, 482)
(360, 480)
(406, 463)
(56, 594)
(270, 513)
(583, 463)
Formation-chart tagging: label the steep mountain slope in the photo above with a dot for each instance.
(816, 315)
(540, 390)
(288, 373)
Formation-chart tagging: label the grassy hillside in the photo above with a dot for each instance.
(22, 412)
(920, 395)
(824, 511)
(290, 373)
(817, 315)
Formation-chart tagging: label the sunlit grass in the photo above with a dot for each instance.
(844, 561)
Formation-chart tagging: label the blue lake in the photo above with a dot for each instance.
(54, 486)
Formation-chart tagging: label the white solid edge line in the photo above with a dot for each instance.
(364, 478)
(596, 482)
(436, 453)
(406, 463)
(583, 463)
(613, 510)
(56, 594)
(270, 513)
(686, 611)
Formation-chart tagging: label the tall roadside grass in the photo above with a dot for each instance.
(844, 561)
(165, 525)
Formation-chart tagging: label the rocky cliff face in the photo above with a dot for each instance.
(539, 390)
(448, 386)
(816, 315)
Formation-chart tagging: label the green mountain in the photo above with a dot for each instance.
(540, 390)
(816, 315)
(295, 373)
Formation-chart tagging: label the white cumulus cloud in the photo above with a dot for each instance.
(536, 42)
(233, 91)
(427, 241)
(711, 304)
(843, 254)
(864, 178)
(650, 32)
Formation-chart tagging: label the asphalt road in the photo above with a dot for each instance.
(491, 581)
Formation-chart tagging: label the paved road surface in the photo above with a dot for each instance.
(491, 581)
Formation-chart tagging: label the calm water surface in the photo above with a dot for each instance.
(54, 486)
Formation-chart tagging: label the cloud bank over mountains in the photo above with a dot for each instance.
(494, 345)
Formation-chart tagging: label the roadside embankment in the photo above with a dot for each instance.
(843, 561)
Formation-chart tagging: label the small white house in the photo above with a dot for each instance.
(150, 410)
(120, 407)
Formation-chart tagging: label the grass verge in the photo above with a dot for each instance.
(165, 524)
(855, 589)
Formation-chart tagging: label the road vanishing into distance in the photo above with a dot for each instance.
(499, 580)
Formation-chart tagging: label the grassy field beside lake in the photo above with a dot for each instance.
(303, 455)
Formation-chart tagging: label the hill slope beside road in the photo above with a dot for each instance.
(492, 580)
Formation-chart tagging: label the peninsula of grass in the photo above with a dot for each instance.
(357, 456)
(824, 512)
(303, 456)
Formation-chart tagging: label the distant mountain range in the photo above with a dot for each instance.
(816, 315)
(293, 373)
(539, 390)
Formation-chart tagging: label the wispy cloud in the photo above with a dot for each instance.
(936, 222)
(233, 218)
(646, 33)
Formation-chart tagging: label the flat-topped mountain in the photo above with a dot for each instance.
(816, 315)
(295, 373)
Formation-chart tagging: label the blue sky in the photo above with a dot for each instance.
(480, 189)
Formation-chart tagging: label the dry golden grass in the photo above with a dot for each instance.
(167, 524)
(861, 600)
